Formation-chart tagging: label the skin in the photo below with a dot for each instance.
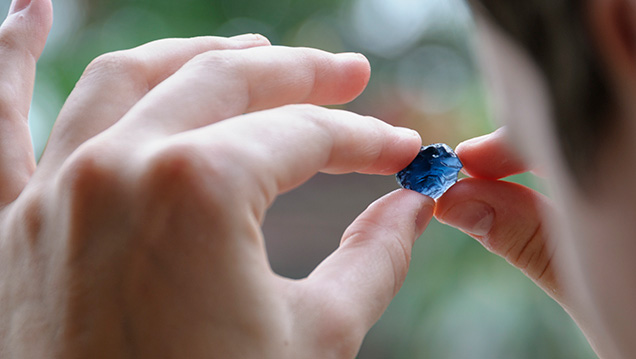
(579, 246)
(138, 233)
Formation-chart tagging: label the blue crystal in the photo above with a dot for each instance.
(432, 172)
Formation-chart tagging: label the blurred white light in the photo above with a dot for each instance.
(432, 79)
(244, 25)
(386, 28)
(67, 19)
(45, 106)
(320, 33)
(68, 16)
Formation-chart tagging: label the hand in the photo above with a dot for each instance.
(139, 232)
(505, 217)
(510, 220)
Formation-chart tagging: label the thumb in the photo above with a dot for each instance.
(505, 218)
(22, 38)
(364, 274)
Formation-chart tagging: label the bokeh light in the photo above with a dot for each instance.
(433, 79)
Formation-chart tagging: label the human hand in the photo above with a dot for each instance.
(138, 234)
(504, 217)
(510, 220)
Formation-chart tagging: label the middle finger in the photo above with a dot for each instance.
(222, 84)
(114, 82)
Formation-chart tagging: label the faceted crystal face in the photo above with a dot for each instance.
(432, 172)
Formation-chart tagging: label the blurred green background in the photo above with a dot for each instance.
(459, 301)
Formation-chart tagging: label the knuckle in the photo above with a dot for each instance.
(88, 171)
(215, 60)
(321, 120)
(94, 197)
(221, 63)
(399, 254)
(221, 67)
(114, 66)
(325, 120)
(181, 187)
(9, 39)
(29, 217)
(181, 170)
(390, 247)
(525, 252)
(175, 164)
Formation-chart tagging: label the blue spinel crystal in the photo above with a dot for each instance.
(432, 172)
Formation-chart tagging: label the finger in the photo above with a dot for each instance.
(505, 218)
(364, 274)
(223, 84)
(269, 152)
(22, 38)
(126, 76)
(490, 156)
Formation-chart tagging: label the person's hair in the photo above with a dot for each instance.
(556, 35)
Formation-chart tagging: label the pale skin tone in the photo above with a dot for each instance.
(138, 233)
(578, 248)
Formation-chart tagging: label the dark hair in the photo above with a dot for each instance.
(555, 34)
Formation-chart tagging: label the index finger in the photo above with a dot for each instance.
(272, 151)
(491, 156)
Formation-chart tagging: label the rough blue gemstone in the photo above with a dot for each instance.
(432, 172)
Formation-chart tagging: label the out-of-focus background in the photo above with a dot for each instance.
(459, 301)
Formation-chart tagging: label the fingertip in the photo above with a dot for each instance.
(425, 213)
(409, 135)
(407, 146)
(402, 211)
(463, 210)
(356, 72)
(43, 13)
(252, 38)
(28, 25)
(356, 59)
(18, 5)
(411, 201)
(400, 145)
(493, 212)
(490, 156)
(41, 9)
(506, 218)
(468, 189)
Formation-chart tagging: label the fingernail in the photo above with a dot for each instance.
(351, 56)
(472, 141)
(472, 217)
(19, 5)
(477, 140)
(407, 132)
(247, 37)
(424, 217)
